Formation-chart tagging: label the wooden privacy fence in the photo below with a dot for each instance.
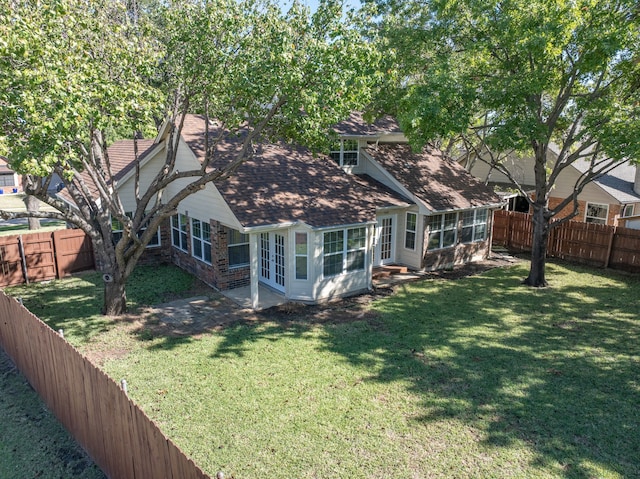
(590, 243)
(114, 431)
(42, 256)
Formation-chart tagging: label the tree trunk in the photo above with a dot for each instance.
(32, 204)
(115, 296)
(541, 227)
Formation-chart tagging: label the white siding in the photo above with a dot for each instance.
(148, 171)
(404, 256)
(591, 193)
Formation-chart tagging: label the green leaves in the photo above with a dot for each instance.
(66, 70)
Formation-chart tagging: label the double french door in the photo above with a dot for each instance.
(272, 260)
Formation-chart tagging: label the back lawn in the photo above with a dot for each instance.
(478, 377)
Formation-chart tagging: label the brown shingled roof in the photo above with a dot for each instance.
(356, 125)
(281, 184)
(438, 181)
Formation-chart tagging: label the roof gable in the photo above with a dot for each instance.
(618, 182)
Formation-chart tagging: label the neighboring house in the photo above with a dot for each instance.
(311, 228)
(606, 200)
(10, 181)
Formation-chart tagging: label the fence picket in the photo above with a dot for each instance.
(113, 430)
(590, 243)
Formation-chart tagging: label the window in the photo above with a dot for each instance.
(7, 180)
(410, 231)
(345, 153)
(442, 230)
(356, 243)
(117, 229)
(201, 240)
(238, 248)
(301, 256)
(627, 210)
(179, 236)
(596, 213)
(333, 252)
(344, 251)
(474, 226)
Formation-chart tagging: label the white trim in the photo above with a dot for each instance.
(599, 205)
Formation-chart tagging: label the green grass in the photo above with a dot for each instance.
(475, 378)
(74, 304)
(32, 442)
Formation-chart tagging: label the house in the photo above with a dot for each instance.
(10, 181)
(312, 227)
(609, 199)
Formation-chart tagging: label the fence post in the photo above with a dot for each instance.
(610, 246)
(23, 259)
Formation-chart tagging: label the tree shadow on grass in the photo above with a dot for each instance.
(555, 368)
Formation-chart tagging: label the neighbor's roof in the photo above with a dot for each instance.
(356, 125)
(438, 181)
(281, 184)
(618, 182)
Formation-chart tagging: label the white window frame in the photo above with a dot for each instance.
(443, 228)
(200, 243)
(117, 229)
(475, 226)
(626, 213)
(301, 255)
(596, 219)
(408, 231)
(242, 244)
(179, 224)
(350, 248)
(338, 155)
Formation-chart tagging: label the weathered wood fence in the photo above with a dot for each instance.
(589, 243)
(113, 430)
(42, 256)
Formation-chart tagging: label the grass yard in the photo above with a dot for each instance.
(474, 378)
(33, 444)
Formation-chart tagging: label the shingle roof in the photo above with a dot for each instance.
(618, 182)
(282, 184)
(355, 125)
(439, 182)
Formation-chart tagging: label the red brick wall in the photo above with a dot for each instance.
(614, 210)
(217, 274)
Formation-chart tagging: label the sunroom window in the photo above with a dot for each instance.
(474, 226)
(344, 251)
(301, 256)
(442, 230)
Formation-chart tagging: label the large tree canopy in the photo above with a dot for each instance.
(76, 75)
(544, 78)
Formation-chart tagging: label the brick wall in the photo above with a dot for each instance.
(217, 274)
(459, 254)
(614, 210)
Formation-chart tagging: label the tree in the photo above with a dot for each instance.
(74, 78)
(556, 80)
